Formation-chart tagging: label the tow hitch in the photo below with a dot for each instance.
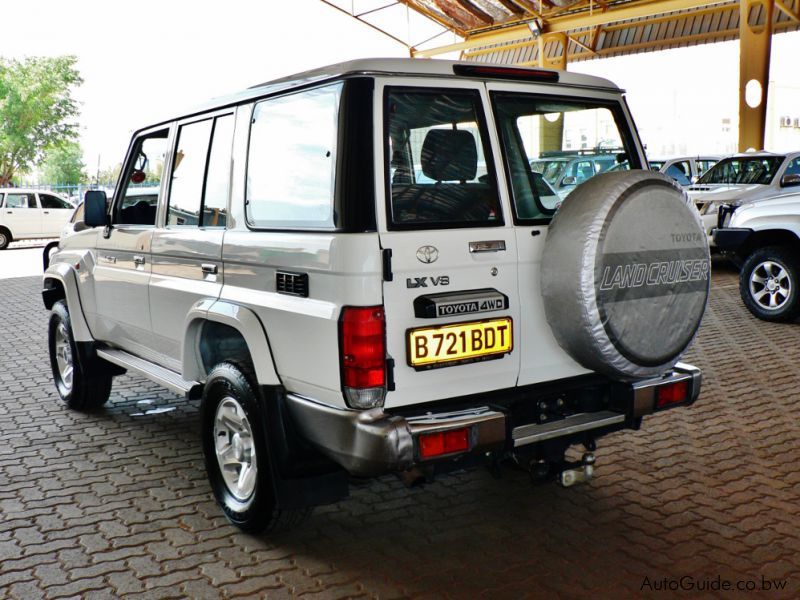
(577, 472)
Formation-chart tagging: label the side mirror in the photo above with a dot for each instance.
(790, 180)
(569, 180)
(95, 212)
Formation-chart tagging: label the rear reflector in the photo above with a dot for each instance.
(441, 443)
(517, 73)
(362, 332)
(672, 393)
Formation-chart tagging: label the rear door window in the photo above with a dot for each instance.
(438, 169)
(564, 142)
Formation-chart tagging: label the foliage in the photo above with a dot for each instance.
(37, 110)
(64, 164)
(109, 174)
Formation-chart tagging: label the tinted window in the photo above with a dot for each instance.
(218, 178)
(140, 188)
(739, 170)
(54, 202)
(292, 159)
(793, 168)
(188, 170)
(20, 201)
(78, 214)
(680, 172)
(564, 141)
(438, 169)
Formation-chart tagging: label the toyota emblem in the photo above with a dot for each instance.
(427, 254)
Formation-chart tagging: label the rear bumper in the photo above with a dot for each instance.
(373, 442)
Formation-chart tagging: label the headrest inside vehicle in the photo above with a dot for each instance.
(449, 155)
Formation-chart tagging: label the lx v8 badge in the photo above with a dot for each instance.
(421, 282)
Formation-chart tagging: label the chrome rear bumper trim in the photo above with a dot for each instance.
(529, 434)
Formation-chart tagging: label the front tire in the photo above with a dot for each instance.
(768, 283)
(81, 382)
(5, 238)
(236, 452)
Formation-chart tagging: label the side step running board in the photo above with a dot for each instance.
(529, 434)
(156, 373)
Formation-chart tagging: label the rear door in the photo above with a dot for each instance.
(22, 215)
(187, 250)
(452, 306)
(530, 124)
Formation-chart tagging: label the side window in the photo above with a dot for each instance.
(188, 170)
(437, 169)
(704, 165)
(679, 172)
(201, 174)
(20, 201)
(218, 174)
(793, 168)
(53, 202)
(137, 201)
(292, 160)
(558, 143)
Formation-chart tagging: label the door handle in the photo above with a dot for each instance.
(47, 212)
(209, 269)
(138, 259)
(110, 259)
(10, 212)
(487, 246)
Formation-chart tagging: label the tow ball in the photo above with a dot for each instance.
(579, 472)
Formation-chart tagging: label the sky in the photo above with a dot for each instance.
(153, 58)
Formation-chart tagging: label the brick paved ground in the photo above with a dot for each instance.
(116, 503)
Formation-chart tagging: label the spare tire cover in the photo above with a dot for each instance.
(625, 274)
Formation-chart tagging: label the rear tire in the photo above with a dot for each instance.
(5, 238)
(769, 283)
(236, 452)
(80, 379)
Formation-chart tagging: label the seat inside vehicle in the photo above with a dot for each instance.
(449, 158)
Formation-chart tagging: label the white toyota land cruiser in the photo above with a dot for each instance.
(356, 272)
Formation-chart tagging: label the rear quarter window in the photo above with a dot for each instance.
(291, 163)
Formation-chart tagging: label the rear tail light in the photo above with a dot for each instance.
(362, 347)
(442, 443)
(672, 393)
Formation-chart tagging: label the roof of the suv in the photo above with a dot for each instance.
(384, 66)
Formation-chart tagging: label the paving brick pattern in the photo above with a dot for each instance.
(116, 503)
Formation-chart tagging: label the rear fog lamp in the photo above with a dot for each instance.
(441, 443)
(672, 393)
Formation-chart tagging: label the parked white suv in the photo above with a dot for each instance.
(763, 239)
(338, 313)
(31, 214)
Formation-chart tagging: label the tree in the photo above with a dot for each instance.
(64, 164)
(37, 110)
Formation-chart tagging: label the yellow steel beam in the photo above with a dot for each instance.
(551, 134)
(566, 23)
(795, 16)
(754, 54)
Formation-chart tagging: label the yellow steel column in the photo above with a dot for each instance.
(755, 42)
(551, 134)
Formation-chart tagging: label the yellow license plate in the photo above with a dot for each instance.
(459, 343)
